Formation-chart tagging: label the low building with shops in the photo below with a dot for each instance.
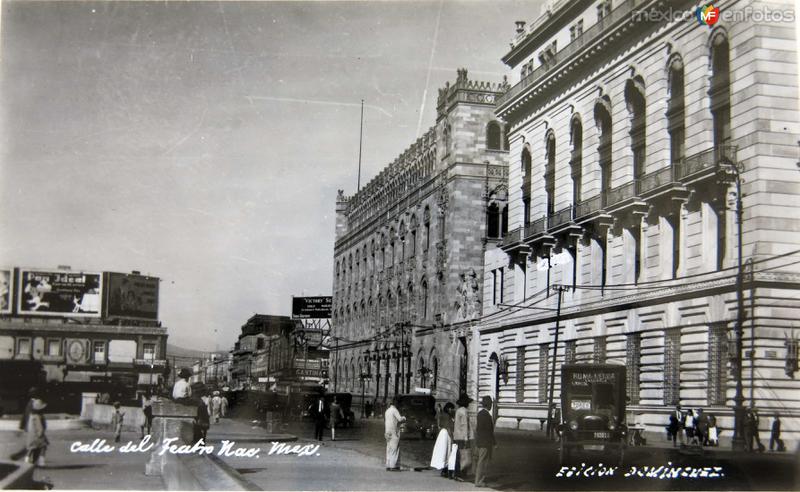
(636, 139)
(87, 332)
(409, 253)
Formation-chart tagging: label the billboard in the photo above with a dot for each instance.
(131, 296)
(59, 293)
(312, 307)
(6, 284)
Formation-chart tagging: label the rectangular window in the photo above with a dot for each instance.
(637, 251)
(717, 364)
(672, 366)
(99, 352)
(53, 346)
(576, 30)
(427, 235)
(543, 352)
(570, 347)
(413, 243)
(599, 352)
(633, 355)
(149, 351)
(502, 284)
(520, 374)
(24, 346)
(676, 244)
(603, 9)
(494, 287)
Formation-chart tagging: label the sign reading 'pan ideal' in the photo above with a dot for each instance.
(58, 293)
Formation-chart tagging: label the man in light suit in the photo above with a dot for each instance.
(484, 440)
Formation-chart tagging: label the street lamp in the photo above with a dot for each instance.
(560, 289)
(732, 170)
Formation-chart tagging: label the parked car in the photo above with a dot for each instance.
(420, 414)
(593, 410)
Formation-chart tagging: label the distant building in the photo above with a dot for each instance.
(409, 253)
(627, 131)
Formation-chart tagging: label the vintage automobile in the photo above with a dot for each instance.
(593, 410)
(420, 413)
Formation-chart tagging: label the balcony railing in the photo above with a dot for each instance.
(538, 226)
(563, 216)
(623, 192)
(593, 33)
(589, 206)
(513, 236)
(707, 160)
(657, 179)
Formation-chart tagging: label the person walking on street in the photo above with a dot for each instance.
(335, 417)
(216, 406)
(36, 441)
(444, 440)
(202, 421)
(484, 440)
(554, 422)
(392, 420)
(713, 431)
(461, 452)
(182, 390)
(701, 427)
(688, 426)
(116, 421)
(775, 434)
(147, 410)
(673, 429)
(317, 411)
(223, 406)
(681, 418)
(751, 430)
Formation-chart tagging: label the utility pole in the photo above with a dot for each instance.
(560, 289)
(738, 442)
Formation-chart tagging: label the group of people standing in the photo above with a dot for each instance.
(695, 427)
(460, 451)
(324, 414)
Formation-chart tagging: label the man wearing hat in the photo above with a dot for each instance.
(182, 389)
(484, 440)
(216, 406)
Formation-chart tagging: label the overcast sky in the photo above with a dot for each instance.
(203, 142)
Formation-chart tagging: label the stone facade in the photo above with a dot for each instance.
(627, 135)
(409, 253)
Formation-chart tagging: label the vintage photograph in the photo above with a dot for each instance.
(400, 245)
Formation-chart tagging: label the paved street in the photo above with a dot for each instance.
(523, 461)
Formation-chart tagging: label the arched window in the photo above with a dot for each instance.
(493, 220)
(635, 99)
(391, 246)
(494, 139)
(424, 300)
(402, 238)
(358, 264)
(721, 114)
(446, 137)
(426, 221)
(550, 174)
(576, 159)
(602, 116)
(676, 111)
(435, 370)
(526, 185)
(412, 245)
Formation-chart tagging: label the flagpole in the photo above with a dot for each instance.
(360, 140)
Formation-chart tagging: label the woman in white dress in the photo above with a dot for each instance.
(444, 441)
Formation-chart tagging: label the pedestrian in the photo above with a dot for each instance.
(688, 426)
(116, 421)
(392, 420)
(216, 407)
(461, 452)
(367, 410)
(33, 392)
(182, 390)
(147, 410)
(202, 421)
(673, 429)
(751, 430)
(554, 421)
(713, 431)
(484, 440)
(701, 427)
(335, 416)
(223, 405)
(444, 439)
(775, 434)
(35, 427)
(680, 416)
(317, 411)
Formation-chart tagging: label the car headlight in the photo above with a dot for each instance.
(573, 424)
(612, 425)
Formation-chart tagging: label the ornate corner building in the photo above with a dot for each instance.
(409, 253)
(638, 136)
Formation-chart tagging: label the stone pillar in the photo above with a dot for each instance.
(170, 419)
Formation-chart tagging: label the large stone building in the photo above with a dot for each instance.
(409, 253)
(629, 124)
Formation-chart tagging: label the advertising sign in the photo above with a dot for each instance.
(6, 283)
(312, 307)
(131, 296)
(59, 293)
